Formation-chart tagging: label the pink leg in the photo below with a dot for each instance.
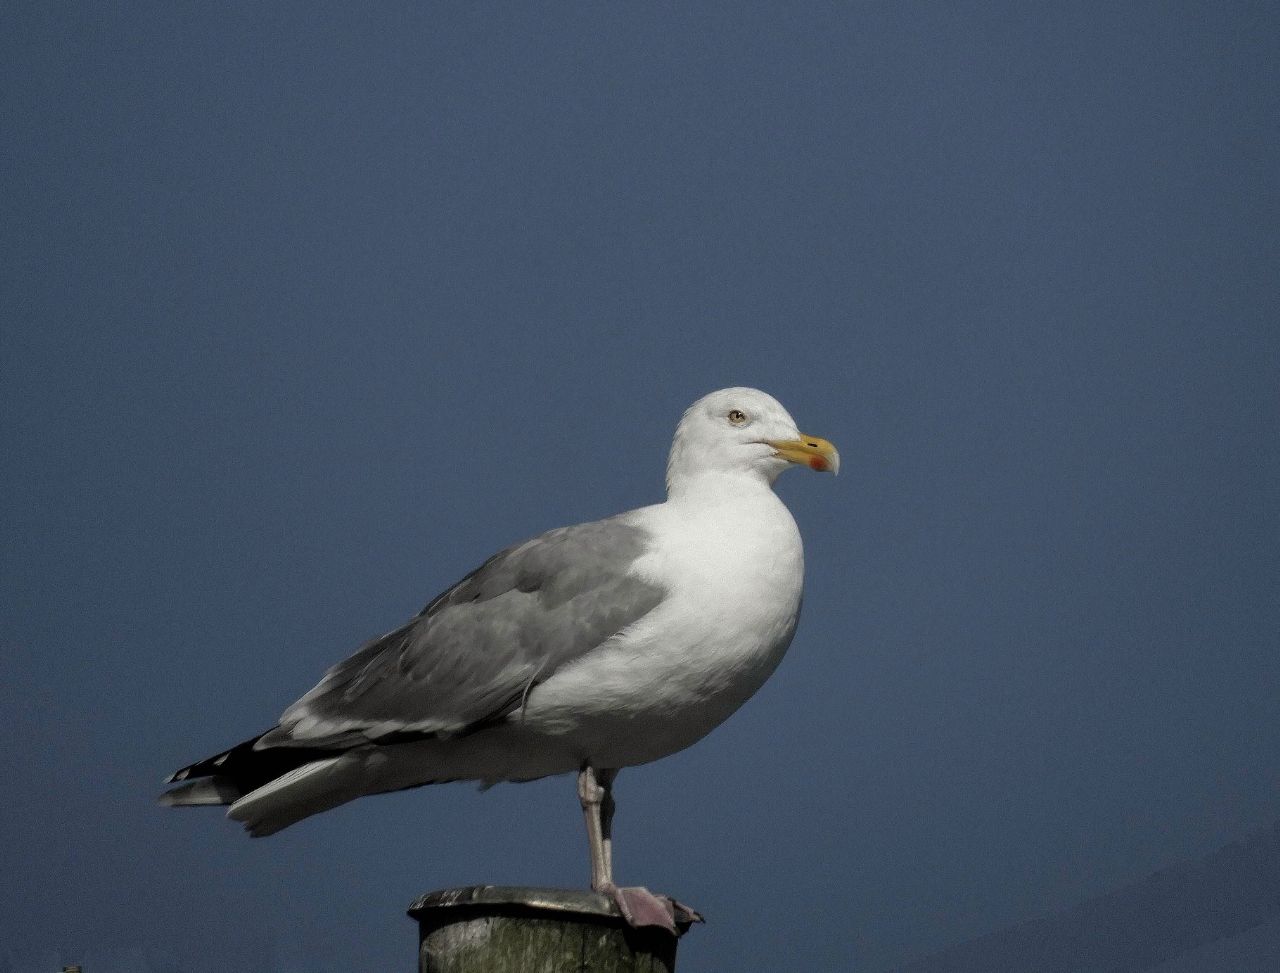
(591, 794)
(639, 906)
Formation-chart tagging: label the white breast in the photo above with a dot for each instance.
(734, 572)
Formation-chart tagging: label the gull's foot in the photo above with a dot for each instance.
(640, 907)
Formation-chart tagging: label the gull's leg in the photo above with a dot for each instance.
(605, 778)
(591, 795)
(639, 906)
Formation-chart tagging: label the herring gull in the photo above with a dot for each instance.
(583, 650)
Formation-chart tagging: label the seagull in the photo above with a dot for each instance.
(584, 650)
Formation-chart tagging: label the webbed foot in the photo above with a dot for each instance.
(640, 907)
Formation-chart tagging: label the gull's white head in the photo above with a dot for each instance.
(742, 431)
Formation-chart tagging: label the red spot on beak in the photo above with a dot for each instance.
(818, 463)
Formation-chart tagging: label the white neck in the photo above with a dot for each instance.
(716, 485)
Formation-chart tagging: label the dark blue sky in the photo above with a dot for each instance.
(308, 308)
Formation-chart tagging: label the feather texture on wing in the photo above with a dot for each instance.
(476, 650)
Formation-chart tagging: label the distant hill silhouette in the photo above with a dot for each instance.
(1138, 926)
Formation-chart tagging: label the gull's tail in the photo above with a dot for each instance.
(269, 788)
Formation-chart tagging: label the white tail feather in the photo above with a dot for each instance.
(302, 792)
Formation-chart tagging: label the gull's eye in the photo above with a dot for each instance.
(737, 416)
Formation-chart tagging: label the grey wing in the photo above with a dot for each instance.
(474, 652)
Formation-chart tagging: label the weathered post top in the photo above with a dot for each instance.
(510, 929)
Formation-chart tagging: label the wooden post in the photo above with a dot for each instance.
(506, 929)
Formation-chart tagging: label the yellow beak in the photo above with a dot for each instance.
(815, 453)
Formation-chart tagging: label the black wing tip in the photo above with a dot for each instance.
(210, 766)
